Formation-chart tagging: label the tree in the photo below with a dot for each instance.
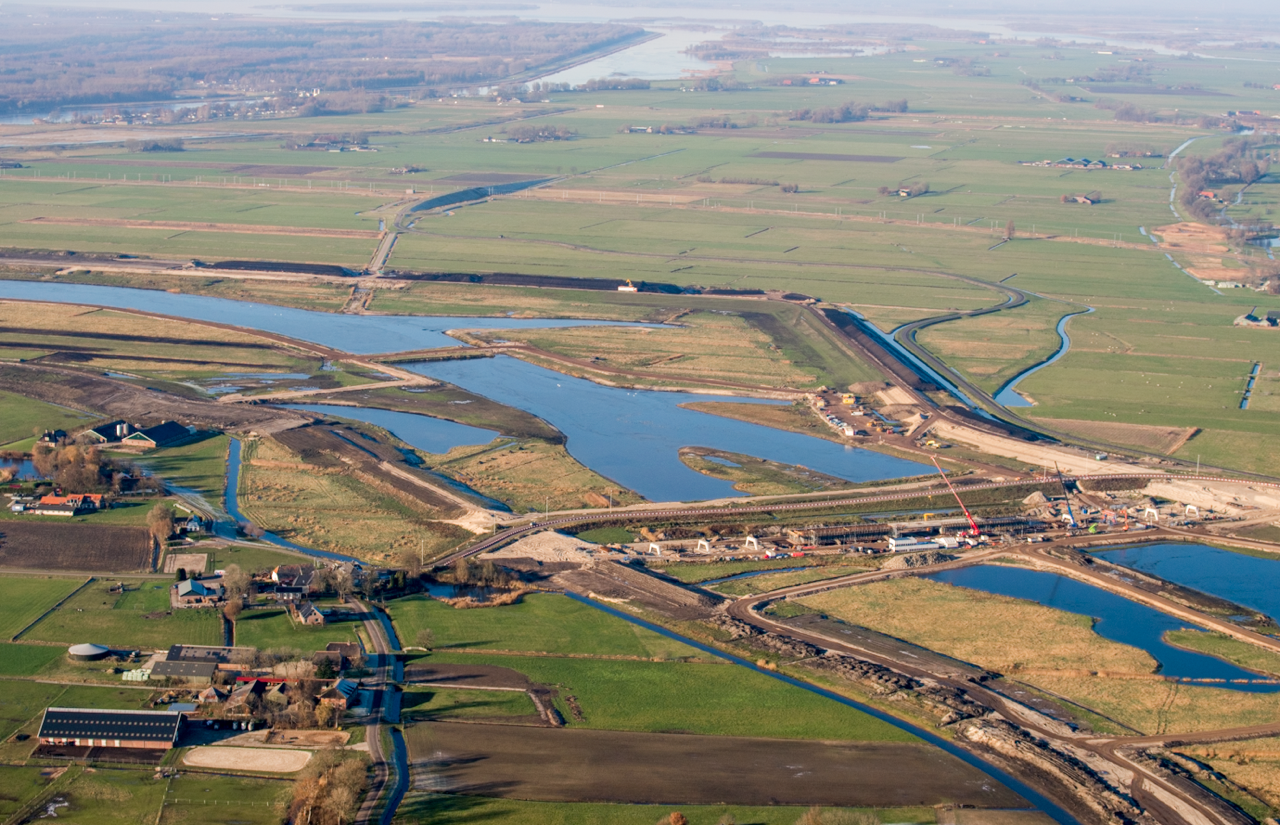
(1008, 230)
(232, 609)
(235, 581)
(325, 716)
(160, 522)
(181, 575)
(426, 638)
(326, 669)
(675, 818)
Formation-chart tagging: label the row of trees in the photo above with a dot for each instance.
(1239, 161)
(848, 112)
(328, 790)
(76, 468)
(536, 133)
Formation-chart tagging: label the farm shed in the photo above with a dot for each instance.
(91, 727)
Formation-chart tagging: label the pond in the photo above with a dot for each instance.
(1117, 619)
(359, 334)
(24, 469)
(633, 437)
(1245, 580)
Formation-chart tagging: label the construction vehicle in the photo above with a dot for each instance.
(973, 525)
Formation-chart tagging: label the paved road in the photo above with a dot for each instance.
(388, 776)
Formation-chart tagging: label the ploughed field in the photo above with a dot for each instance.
(40, 545)
(559, 764)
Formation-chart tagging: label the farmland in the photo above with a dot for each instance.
(20, 416)
(25, 599)
(268, 628)
(46, 544)
(138, 618)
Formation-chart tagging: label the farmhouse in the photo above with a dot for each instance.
(308, 614)
(342, 695)
(92, 727)
(161, 435)
(197, 593)
(294, 575)
(73, 505)
(108, 433)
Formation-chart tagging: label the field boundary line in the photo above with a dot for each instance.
(45, 614)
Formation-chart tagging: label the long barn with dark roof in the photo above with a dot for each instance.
(94, 728)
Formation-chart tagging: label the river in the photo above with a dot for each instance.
(358, 334)
(1117, 619)
(633, 437)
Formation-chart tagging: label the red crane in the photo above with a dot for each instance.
(973, 525)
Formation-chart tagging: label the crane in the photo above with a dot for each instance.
(973, 525)
(1067, 495)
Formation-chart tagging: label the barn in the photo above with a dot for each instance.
(92, 727)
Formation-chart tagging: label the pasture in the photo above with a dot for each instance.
(138, 618)
(685, 697)
(538, 623)
(23, 599)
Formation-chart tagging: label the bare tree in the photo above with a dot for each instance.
(426, 638)
(236, 582)
(1008, 230)
(160, 522)
(232, 609)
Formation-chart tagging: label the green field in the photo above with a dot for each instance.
(200, 466)
(24, 598)
(681, 697)
(266, 628)
(138, 618)
(1224, 647)
(27, 660)
(208, 799)
(20, 417)
(541, 623)
(420, 703)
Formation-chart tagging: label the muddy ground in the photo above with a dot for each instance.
(41, 545)
(119, 399)
(559, 764)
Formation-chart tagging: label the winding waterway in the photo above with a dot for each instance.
(1008, 396)
(1117, 619)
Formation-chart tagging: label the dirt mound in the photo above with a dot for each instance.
(548, 546)
(612, 581)
(916, 560)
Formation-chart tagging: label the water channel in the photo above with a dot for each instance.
(1008, 396)
(633, 437)
(1116, 618)
(1248, 581)
(358, 334)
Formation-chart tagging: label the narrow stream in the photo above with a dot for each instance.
(1008, 396)
(233, 509)
(1041, 802)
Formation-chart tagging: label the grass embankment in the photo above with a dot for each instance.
(794, 417)
(327, 508)
(774, 581)
(694, 572)
(758, 476)
(138, 618)
(1224, 647)
(1053, 650)
(529, 475)
(199, 466)
(454, 404)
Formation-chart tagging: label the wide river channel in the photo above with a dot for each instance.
(630, 437)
